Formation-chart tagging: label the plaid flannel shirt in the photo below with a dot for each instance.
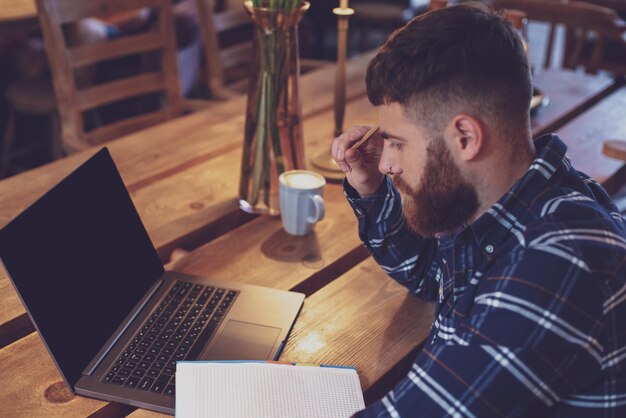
(531, 316)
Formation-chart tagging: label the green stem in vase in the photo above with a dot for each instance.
(251, 126)
(278, 81)
(270, 108)
(278, 153)
(289, 123)
(264, 120)
(261, 148)
(255, 122)
(289, 5)
(269, 132)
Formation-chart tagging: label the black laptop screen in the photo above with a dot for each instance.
(81, 259)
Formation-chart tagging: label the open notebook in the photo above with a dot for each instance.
(259, 389)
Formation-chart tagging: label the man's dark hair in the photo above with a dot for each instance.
(463, 58)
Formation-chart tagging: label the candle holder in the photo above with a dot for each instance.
(323, 161)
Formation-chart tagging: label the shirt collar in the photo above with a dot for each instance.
(509, 215)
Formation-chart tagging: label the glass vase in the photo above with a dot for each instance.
(273, 140)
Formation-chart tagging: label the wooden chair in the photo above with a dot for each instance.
(35, 98)
(614, 59)
(589, 27)
(618, 5)
(386, 16)
(437, 5)
(226, 34)
(381, 16)
(30, 94)
(65, 60)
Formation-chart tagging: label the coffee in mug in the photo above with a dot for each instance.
(301, 201)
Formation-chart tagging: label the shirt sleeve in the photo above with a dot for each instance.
(532, 338)
(407, 257)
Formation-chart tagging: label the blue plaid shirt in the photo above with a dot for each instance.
(531, 317)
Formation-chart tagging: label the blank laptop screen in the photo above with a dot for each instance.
(81, 259)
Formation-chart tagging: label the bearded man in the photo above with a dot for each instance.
(524, 255)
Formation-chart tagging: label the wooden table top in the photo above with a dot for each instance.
(606, 120)
(12, 10)
(178, 176)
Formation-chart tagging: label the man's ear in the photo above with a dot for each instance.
(465, 136)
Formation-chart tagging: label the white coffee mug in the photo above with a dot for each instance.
(301, 201)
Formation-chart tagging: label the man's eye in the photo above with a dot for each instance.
(395, 145)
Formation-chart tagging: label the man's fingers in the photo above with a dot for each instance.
(333, 149)
(353, 157)
(339, 145)
(346, 140)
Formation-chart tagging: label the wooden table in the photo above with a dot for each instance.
(12, 10)
(183, 178)
(606, 120)
(18, 19)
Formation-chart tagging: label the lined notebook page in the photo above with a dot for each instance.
(244, 390)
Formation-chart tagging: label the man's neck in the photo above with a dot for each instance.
(499, 180)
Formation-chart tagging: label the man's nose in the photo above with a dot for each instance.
(387, 164)
(385, 168)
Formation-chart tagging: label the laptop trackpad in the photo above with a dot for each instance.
(245, 341)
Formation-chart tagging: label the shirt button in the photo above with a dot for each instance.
(489, 249)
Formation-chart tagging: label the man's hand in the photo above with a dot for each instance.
(360, 165)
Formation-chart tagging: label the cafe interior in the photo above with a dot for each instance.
(176, 91)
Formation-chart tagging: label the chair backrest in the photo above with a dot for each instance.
(437, 4)
(66, 60)
(227, 40)
(618, 5)
(584, 21)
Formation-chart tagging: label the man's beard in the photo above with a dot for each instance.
(444, 200)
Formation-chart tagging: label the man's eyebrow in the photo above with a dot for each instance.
(391, 135)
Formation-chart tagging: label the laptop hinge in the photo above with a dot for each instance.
(104, 351)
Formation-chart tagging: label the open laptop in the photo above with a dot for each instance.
(114, 321)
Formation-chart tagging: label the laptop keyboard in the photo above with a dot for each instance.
(178, 329)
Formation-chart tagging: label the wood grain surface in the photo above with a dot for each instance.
(586, 134)
(362, 319)
(175, 175)
(569, 94)
(183, 178)
(13, 10)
